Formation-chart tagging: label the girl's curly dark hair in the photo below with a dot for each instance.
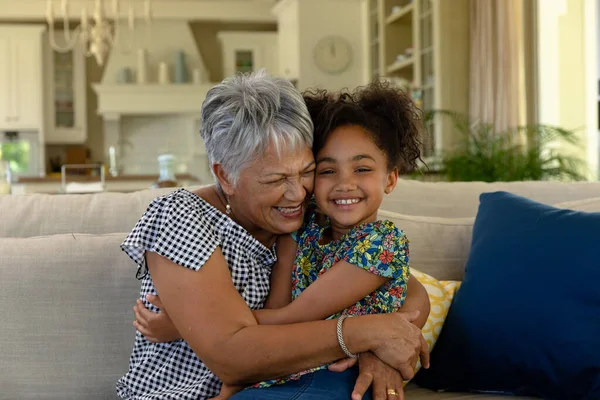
(386, 112)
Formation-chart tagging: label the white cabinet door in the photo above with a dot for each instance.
(5, 83)
(27, 82)
(65, 94)
(21, 78)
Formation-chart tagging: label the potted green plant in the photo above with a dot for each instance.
(522, 153)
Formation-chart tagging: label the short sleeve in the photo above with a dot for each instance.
(380, 248)
(176, 227)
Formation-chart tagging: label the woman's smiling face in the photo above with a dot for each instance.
(271, 192)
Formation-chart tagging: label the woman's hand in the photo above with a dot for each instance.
(227, 391)
(156, 327)
(401, 342)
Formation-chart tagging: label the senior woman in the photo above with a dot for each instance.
(208, 255)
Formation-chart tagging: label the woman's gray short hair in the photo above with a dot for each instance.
(243, 114)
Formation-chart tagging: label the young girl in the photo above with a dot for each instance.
(343, 261)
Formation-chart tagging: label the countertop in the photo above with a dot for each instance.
(107, 178)
(126, 183)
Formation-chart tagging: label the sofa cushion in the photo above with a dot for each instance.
(440, 295)
(589, 205)
(49, 214)
(43, 214)
(440, 246)
(66, 316)
(525, 319)
(461, 199)
(413, 392)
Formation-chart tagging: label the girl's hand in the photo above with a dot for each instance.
(387, 382)
(156, 327)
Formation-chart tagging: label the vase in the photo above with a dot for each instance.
(163, 73)
(124, 75)
(142, 73)
(180, 70)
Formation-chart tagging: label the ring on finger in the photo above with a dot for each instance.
(392, 392)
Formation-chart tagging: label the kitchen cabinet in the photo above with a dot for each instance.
(65, 93)
(21, 93)
(249, 52)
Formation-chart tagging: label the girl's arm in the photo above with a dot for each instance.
(417, 299)
(217, 324)
(347, 282)
(337, 289)
(352, 285)
(280, 294)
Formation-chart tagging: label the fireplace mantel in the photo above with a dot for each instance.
(116, 100)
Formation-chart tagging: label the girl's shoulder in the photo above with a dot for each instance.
(376, 230)
(378, 247)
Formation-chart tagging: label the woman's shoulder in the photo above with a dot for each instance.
(180, 206)
(183, 196)
(176, 225)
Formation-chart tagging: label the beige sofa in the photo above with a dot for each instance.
(67, 291)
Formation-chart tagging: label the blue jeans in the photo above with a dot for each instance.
(319, 385)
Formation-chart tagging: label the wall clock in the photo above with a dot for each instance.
(333, 54)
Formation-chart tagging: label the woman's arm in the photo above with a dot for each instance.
(218, 325)
(157, 327)
(349, 283)
(280, 294)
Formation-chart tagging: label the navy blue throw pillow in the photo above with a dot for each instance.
(526, 319)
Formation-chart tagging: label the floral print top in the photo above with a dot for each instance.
(378, 247)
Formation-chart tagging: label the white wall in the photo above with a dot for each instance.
(319, 18)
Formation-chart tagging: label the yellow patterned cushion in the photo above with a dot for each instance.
(440, 294)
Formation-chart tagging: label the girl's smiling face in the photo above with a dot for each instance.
(351, 179)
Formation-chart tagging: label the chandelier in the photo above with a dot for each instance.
(97, 35)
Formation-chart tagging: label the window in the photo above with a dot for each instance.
(17, 153)
(22, 151)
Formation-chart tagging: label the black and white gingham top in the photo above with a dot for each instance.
(185, 229)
